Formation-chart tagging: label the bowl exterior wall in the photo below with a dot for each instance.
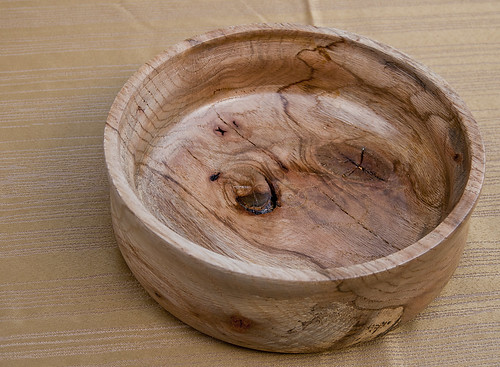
(279, 315)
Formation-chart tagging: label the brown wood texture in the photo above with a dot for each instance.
(291, 188)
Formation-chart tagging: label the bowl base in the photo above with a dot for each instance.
(289, 176)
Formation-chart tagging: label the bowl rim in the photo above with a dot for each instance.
(209, 259)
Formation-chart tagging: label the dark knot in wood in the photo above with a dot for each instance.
(257, 199)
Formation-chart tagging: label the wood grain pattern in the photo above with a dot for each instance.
(291, 188)
(66, 296)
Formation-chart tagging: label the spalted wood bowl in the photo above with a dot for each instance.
(291, 188)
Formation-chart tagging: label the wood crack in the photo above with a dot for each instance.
(360, 166)
(362, 225)
(232, 128)
(322, 51)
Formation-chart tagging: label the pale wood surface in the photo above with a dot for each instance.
(67, 297)
(287, 247)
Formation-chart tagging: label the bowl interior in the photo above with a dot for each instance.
(293, 149)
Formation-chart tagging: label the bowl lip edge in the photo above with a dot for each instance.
(457, 216)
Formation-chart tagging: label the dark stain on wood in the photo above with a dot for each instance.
(240, 323)
(220, 131)
(215, 176)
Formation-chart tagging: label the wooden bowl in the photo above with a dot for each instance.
(291, 188)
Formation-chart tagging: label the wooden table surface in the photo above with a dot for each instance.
(66, 296)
